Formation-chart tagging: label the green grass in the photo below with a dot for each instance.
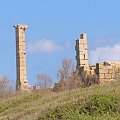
(93, 103)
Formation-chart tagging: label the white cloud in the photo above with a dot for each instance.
(107, 53)
(46, 46)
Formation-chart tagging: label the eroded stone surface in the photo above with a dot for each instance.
(21, 82)
(106, 71)
(82, 52)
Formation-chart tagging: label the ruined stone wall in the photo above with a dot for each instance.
(106, 71)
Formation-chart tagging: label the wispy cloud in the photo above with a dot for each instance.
(104, 41)
(46, 46)
(107, 53)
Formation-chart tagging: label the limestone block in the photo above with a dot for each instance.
(110, 71)
(109, 67)
(103, 71)
(81, 48)
(113, 75)
(84, 46)
(84, 51)
(83, 41)
(101, 76)
(23, 70)
(84, 62)
(108, 76)
(21, 35)
(22, 44)
(82, 57)
(86, 56)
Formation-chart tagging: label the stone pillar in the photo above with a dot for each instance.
(21, 82)
(82, 53)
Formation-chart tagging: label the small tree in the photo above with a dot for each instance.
(5, 86)
(74, 80)
(67, 76)
(66, 69)
(44, 80)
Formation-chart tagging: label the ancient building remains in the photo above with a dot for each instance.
(82, 53)
(21, 82)
(106, 71)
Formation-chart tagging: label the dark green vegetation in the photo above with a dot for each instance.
(93, 103)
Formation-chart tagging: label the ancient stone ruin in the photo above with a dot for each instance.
(82, 53)
(21, 82)
(106, 71)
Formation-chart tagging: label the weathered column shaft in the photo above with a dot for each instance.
(21, 83)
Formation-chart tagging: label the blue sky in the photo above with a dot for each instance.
(54, 25)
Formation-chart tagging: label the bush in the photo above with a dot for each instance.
(91, 108)
(101, 104)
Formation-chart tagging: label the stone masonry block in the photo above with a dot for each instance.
(103, 71)
(101, 76)
(108, 76)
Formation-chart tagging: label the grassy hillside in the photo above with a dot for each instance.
(93, 103)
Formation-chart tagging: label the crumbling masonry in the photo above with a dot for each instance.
(82, 53)
(21, 82)
(106, 71)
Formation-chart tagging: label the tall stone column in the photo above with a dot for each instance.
(21, 82)
(82, 53)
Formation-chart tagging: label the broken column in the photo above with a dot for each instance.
(21, 82)
(82, 53)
